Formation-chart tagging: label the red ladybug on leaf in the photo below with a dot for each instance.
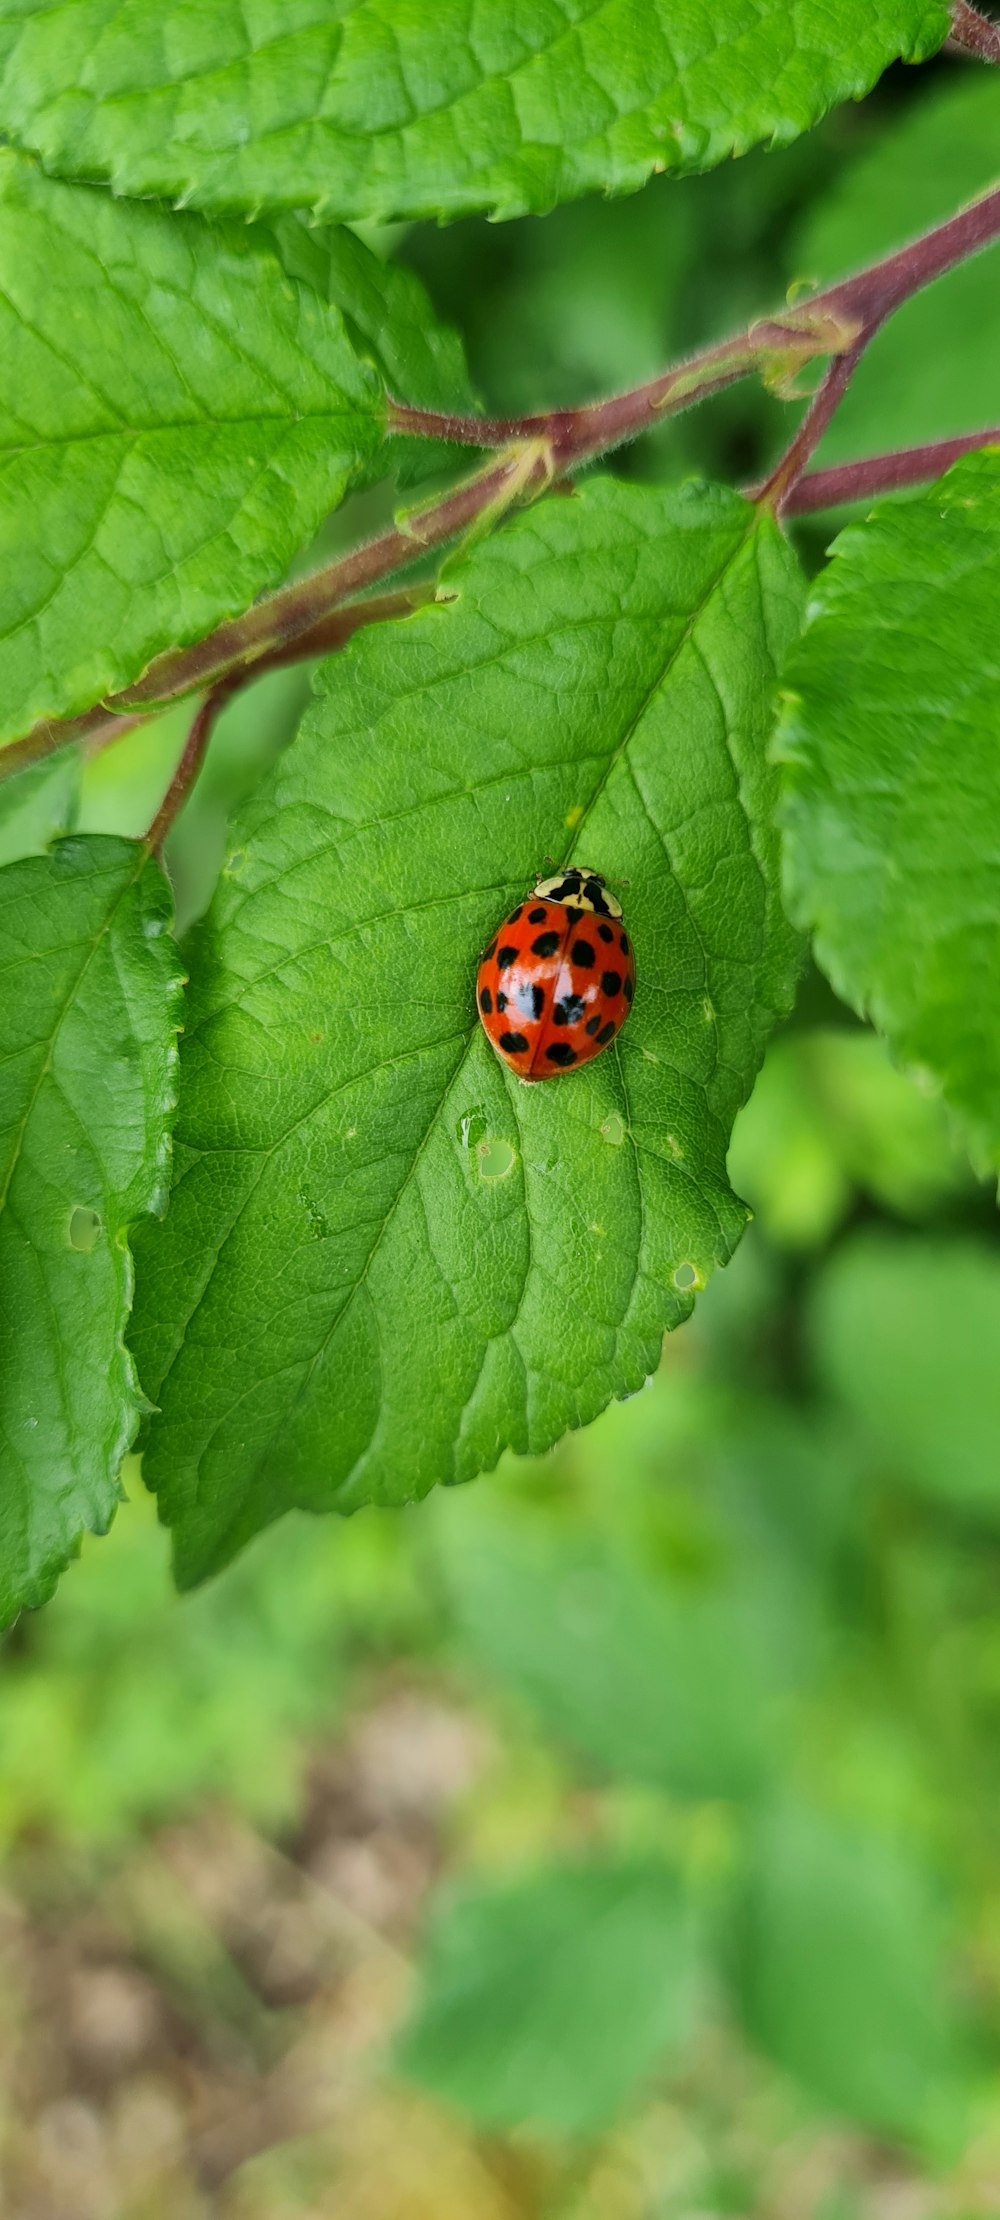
(556, 983)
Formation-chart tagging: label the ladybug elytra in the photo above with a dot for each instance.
(556, 983)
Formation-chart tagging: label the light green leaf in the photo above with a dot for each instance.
(911, 1349)
(546, 2003)
(386, 108)
(37, 803)
(386, 1258)
(839, 1974)
(176, 418)
(932, 369)
(892, 811)
(91, 1008)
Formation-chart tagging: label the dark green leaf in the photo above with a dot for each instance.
(386, 1258)
(892, 816)
(546, 2003)
(839, 1974)
(176, 417)
(380, 109)
(909, 1342)
(91, 1010)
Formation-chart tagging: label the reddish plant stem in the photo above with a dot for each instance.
(975, 31)
(264, 635)
(862, 302)
(873, 294)
(908, 466)
(330, 633)
(575, 435)
(101, 727)
(836, 321)
(334, 631)
(192, 758)
(281, 629)
(776, 489)
(96, 728)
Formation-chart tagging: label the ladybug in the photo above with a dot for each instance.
(556, 983)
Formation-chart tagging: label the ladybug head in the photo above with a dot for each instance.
(579, 889)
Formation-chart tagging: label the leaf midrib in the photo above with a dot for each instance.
(126, 432)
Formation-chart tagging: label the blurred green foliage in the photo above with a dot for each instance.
(739, 1643)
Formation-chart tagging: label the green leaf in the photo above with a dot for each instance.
(386, 1258)
(839, 1973)
(176, 418)
(911, 1348)
(37, 803)
(673, 1682)
(546, 2003)
(931, 370)
(389, 317)
(378, 109)
(91, 1009)
(892, 810)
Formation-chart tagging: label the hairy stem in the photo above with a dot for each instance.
(778, 488)
(778, 345)
(332, 632)
(975, 32)
(286, 618)
(908, 466)
(837, 321)
(101, 727)
(192, 758)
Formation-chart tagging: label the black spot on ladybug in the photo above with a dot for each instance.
(513, 1043)
(568, 1010)
(606, 1034)
(501, 1002)
(515, 914)
(489, 951)
(486, 1001)
(592, 1025)
(530, 1000)
(573, 916)
(611, 982)
(537, 917)
(596, 897)
(623, 944)
(582, 953)
(561, 1052)
(629, 990)
(545, 945)
(605, 932)
(506, 957)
